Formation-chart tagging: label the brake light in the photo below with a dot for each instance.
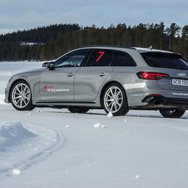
(151, 75)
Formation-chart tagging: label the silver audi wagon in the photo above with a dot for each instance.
(116, 79)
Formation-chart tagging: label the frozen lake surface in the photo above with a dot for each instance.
(54, 148)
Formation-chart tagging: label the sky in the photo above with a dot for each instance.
(24, 14)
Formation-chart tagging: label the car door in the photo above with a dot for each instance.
(91, 77)
(57, 85)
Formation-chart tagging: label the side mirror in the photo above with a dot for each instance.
(51, 66)
(45, 64)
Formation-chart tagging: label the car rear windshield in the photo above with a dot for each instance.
(165, 60)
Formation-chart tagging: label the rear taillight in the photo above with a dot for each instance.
(151, 75)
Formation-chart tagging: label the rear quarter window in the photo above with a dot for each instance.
(165, 60)
(123, 59)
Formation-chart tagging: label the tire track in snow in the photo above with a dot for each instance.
(56, 142)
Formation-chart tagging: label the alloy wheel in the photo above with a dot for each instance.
(113, 99)
(21, 95)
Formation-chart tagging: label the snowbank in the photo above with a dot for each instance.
(12, 134)
(21, 146)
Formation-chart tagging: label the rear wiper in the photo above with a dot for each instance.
(182, 68)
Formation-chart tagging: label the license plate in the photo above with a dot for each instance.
(177, 82)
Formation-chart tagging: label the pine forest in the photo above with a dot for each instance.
(47, 43)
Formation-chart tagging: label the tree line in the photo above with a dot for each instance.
(53, 41)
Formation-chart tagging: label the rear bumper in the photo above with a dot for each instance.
(162, 101)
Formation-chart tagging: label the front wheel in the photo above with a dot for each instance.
(115, 100)
(172, 113)
(21, 97)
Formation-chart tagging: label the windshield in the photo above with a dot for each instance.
(165, 60)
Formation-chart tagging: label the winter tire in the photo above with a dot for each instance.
(172, 113)
(115, 100)
(21, 96)
(78, 110)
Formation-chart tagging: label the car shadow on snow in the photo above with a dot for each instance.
(133, 113)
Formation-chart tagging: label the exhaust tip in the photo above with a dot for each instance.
(155, 99)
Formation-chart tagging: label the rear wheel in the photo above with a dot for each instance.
(115, 100)
(78, 110)
(21, 96)
(172, 113)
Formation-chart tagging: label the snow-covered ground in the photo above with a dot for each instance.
(54, 148)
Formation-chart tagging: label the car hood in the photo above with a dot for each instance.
(30, 71)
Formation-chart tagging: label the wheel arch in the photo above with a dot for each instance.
(105, 86)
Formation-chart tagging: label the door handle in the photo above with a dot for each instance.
(70, 75)
(102, 74)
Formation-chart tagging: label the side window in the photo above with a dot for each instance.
(100, 57)
(123, 59)
(73, 59)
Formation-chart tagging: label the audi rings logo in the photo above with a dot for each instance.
(48, 87)
(181, 74)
